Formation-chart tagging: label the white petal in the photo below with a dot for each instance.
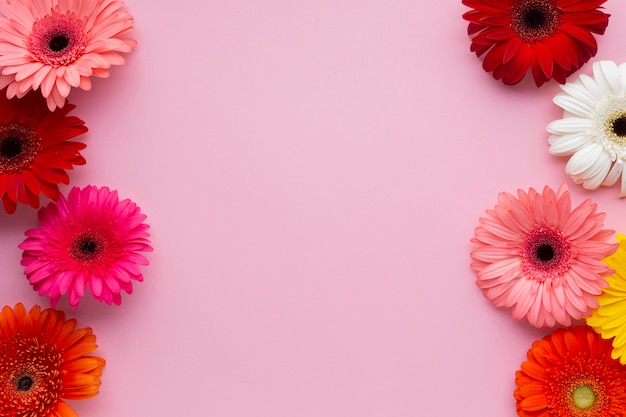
(600, 79)
(613, 174)
(569, 125)
(595, 89)
(582, 160)
(577, 180)
(622, 192)
(596, 174)
(609, 74)
(622, 71)
(573, 105)
(578, 90)
(568, 144)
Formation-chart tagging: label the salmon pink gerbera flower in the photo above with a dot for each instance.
(534, 254)
(89, 239)
(44, 360)
(54, 45)
(551, 38)
(35, 151)
(570, 373)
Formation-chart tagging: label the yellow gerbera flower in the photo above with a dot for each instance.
(609, 319)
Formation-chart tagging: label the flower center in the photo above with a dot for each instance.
(57, 39)
(608, 126)
(10, 147)
(31, 377)
(616, 127)
(584, 397)
(87, 247)
(534, 20)
(24, 383)
(545, 253)
(18, 147)
(58, 43)
(588, 396)
(582, 386)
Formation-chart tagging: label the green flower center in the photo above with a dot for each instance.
(584, 397)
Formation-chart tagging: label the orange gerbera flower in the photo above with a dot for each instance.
(44, 358)
(570, 373)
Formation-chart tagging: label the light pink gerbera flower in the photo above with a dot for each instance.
(534, 254)
(89, 239)
(54, 45)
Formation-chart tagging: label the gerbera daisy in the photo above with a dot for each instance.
(35, 151)
(552, 38)
(609, 319)
(54, 45)
(89, 239)
(44, 359)
(593, 128)
(536, 255)
(570, 373)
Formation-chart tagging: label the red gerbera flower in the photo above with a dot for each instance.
(34, 149)
(552, 38)
(570, 373)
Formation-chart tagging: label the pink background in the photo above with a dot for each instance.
(312, 171)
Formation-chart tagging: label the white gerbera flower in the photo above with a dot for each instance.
(593, 127)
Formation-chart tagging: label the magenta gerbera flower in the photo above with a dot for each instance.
(534, 254)
(54, 45)
(89, 239)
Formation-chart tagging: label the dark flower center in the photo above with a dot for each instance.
(24, 383)
(533, 20)
(619, 126)
(545, 253)
(57, 39)
(10, 147)
(87, 247)
(58, 43)
(18, 147)
(31, 375)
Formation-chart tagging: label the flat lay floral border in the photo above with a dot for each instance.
(89, 240)
(549, 259)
